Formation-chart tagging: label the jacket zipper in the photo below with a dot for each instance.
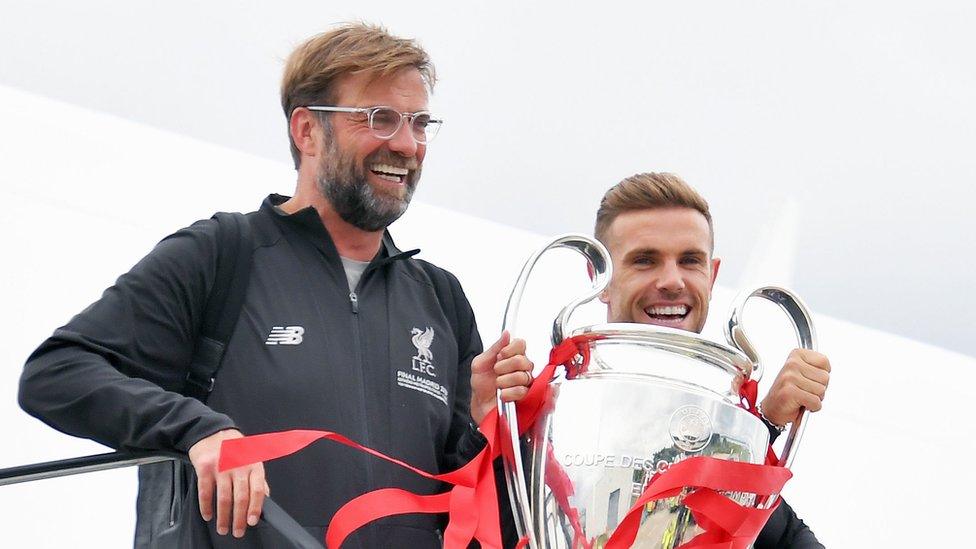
(360, 359)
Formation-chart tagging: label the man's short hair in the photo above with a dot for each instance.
(315, 66)
(646, 191)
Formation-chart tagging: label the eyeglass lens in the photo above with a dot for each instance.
(385, 122)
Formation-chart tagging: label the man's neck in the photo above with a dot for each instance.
(350, 241)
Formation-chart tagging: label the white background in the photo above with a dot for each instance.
(834, 142)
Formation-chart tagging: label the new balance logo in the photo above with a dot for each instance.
(285, 335)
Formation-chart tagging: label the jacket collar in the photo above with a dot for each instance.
(308, 222)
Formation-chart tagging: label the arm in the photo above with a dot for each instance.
(114, 372)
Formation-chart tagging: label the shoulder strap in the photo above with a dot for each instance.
(445, 294)
(234, 249)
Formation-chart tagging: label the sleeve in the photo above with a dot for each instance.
(786, 531)
(465, 436)
(774, 431)
(464, 439)
(114, 372)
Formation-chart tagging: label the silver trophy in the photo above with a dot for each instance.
(648, 398)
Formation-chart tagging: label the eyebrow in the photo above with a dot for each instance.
(695, 252)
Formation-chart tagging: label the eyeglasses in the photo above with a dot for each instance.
(386, 121)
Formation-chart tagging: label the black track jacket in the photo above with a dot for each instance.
(380, 365)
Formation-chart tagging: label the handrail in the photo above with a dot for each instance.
(271, 513)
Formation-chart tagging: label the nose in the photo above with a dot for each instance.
(403, 142)
(670, 279)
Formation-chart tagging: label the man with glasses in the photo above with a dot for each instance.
(339, 330)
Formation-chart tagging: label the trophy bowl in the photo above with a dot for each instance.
(648, 398)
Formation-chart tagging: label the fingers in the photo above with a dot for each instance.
(225, 502)
(521, 378)
(812, 358)
(486, 360)
(259, 490)
(503, 341)
(242, 497)
(513, 348)
(239, 493)
(513, 370)
(514, 394)
(804, 385)
(820, 377)
(205, 493)
(810, 401)
(808, 370)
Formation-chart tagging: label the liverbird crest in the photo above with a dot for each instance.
(422, 340)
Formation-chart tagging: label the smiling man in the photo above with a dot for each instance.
(339, 329)
(660, 237)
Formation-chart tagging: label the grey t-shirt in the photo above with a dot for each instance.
(354, 270)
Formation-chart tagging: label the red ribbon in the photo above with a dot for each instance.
(748, 394)
(725, 522)
(472, 503)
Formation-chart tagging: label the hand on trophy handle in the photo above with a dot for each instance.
(501, 370)
(801, 383)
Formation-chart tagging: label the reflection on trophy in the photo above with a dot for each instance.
(644, 399)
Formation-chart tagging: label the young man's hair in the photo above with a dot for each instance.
(646, 191)
(314, 67)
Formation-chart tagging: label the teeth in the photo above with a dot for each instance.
(668, 310)
(386, 168)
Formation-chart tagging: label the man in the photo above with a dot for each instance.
(660, 237)
(659, 234)
(339, 330)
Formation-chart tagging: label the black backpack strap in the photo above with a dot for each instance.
(234, 249)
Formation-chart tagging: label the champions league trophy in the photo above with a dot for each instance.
(647, 398)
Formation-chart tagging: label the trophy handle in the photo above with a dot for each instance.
(806, 336)
(598, 259)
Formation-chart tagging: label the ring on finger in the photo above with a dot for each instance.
(529, 378)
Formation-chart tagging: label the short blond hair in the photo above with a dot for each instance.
(314, 67)
(646, 191)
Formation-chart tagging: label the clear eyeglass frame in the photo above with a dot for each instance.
(423, 127)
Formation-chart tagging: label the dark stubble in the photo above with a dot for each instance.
(344, 185)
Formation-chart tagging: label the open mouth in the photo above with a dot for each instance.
(389, 173)
(667, 315)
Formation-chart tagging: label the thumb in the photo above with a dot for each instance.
(486, 360)
(496, 347)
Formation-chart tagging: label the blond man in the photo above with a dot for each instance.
(659, 232)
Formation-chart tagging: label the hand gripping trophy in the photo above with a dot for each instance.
(640, 440)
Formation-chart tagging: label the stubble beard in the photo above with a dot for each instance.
(345, 186)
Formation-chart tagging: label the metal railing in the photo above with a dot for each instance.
(272, 513)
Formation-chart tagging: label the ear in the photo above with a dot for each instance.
(716, 262)
(605, 297)
(302, 128)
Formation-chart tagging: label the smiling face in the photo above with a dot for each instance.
(663, 271)
(370, 181)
